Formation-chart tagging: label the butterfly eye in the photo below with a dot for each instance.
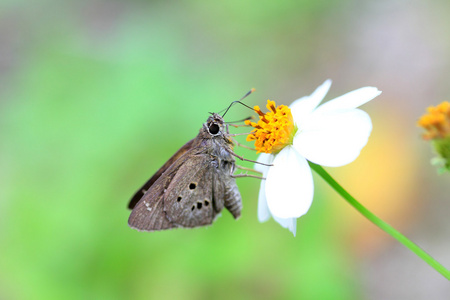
(214, 128)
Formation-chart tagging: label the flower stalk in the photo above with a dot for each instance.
(380, 223)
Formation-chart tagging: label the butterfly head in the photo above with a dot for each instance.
(214, 126)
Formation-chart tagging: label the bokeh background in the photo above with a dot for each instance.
(96, 95)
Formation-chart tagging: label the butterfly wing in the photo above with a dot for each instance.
(188, 191)
(148, 214)
(191, 193)
(181, 197)
(138, 195)
(200, 190)
(189, 200)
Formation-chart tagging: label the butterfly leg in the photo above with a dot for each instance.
(242, 145)
(242, 158)
(247, 169)
(245, 174)
(238, 134)
(245, 146)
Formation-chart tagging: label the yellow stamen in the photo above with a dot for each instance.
(256, 108)
(436, 122)
(274, 130)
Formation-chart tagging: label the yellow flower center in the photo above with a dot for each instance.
(436, 122)
(274, 130)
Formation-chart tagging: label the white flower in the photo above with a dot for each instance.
(331, 134)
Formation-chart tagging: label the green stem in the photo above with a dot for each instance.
(380, 223)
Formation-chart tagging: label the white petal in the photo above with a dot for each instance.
(350, 100)
(305, 105)
(263, 209)
(334, 139)
(289, 185)
(264, 158)
(290, 224)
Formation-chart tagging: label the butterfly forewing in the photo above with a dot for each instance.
(138, 195)
(149, 214)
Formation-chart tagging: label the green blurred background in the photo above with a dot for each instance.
(96, 95)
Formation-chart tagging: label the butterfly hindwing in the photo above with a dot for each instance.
(188, 200)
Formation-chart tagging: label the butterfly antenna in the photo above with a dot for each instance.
(239, 101)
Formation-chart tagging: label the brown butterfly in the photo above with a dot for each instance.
(193, 186)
